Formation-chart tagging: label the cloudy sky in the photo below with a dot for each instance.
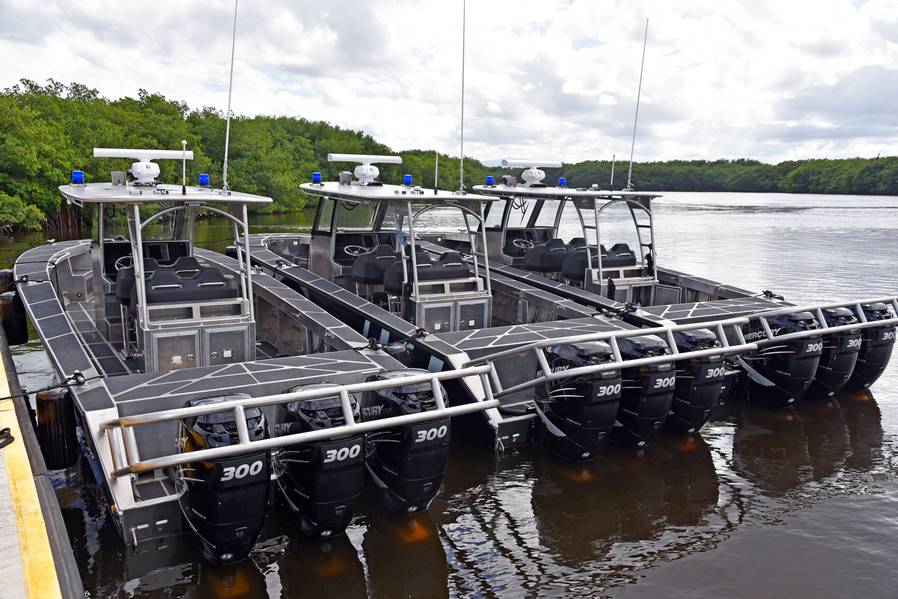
(767, 79)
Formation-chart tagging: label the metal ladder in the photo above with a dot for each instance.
(125, 453)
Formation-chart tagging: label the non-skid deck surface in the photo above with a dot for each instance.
(61, 339)
(146, 392)
(712, 310)
(498, 338)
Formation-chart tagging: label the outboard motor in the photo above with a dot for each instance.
(839, 355)
(407, 462)
(578, 413)
(876, 348)
(699, 383)
(321, 481)
(782, 372)
(646, 394)
(225, 501)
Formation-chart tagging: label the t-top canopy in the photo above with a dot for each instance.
(574, 193)
(354, 192)
(107, 193)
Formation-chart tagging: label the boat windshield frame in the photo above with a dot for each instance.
(589, 199)
(398, 201)
(183, 203)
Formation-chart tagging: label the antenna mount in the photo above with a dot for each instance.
(365, 172)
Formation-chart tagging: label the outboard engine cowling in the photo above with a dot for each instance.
(790, 366)
(407, 462)
(646, 394)
(578, 413)
(225, 501)
(321, 481)
(876, 348)
(699, 383)
(839, 355)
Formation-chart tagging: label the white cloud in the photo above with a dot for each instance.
(764, 79)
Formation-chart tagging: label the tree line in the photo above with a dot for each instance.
(48, 130)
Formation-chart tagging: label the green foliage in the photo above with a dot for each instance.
(48, 130)
(17, 215)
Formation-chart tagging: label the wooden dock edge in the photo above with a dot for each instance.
(48, 563)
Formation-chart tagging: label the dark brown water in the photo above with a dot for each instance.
(762, 503)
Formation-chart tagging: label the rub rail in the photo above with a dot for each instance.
(816, 311)
(611, 337)
(126, 458)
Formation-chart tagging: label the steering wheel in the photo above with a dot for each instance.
(123, 263)
(355, 250)
(524, 244)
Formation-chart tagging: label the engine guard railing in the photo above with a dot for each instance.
(126, 458)
(816, 310)
(719, 328)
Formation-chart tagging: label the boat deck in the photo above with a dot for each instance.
(712, 310)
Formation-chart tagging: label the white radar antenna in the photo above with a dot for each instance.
(365, 172)
(533, 175)
(144, 170)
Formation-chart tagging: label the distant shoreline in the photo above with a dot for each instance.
(54, 127)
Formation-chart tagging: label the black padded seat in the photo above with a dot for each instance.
(548, 257)
(165, 286)
(185, 267)
(577, 242)
(369, 269)
(574, 266)
(124, 280)
(620, 255)
(211, 284)
(393, 278)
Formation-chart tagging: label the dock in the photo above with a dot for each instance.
(36, 558)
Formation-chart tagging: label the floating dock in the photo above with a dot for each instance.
(36, 558)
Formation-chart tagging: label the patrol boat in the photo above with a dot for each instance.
(195, 386)
(566, 374)
(814, 350)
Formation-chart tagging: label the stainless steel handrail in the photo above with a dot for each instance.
(816, 311)
(618, 362)
(124, 449)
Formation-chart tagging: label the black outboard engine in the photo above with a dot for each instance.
(225, 501)
(839, 355)
(876, 348)
(578, 413)
(790, 366)
(646, 394)
(699, 383)
(321, 481)
(407, 462)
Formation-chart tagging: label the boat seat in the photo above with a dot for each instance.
(620, 255)
(547, 257)
(124, 281)
(574, 266)
(185, 267)
(577, 242)
(369, 269)
(165, 286)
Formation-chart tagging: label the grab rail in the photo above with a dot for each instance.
(665, 332)
(816, 311)
(126, 458)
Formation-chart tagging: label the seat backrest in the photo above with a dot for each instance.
(164, 285)
(451, 259)
(577, 242)
(554, 243)
(185, 267)
(621, 248)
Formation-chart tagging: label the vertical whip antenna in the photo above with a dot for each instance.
(461, 159)
(611, 185)
(636, 116)
(184, 167)
(224, 174)
(436, 171)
